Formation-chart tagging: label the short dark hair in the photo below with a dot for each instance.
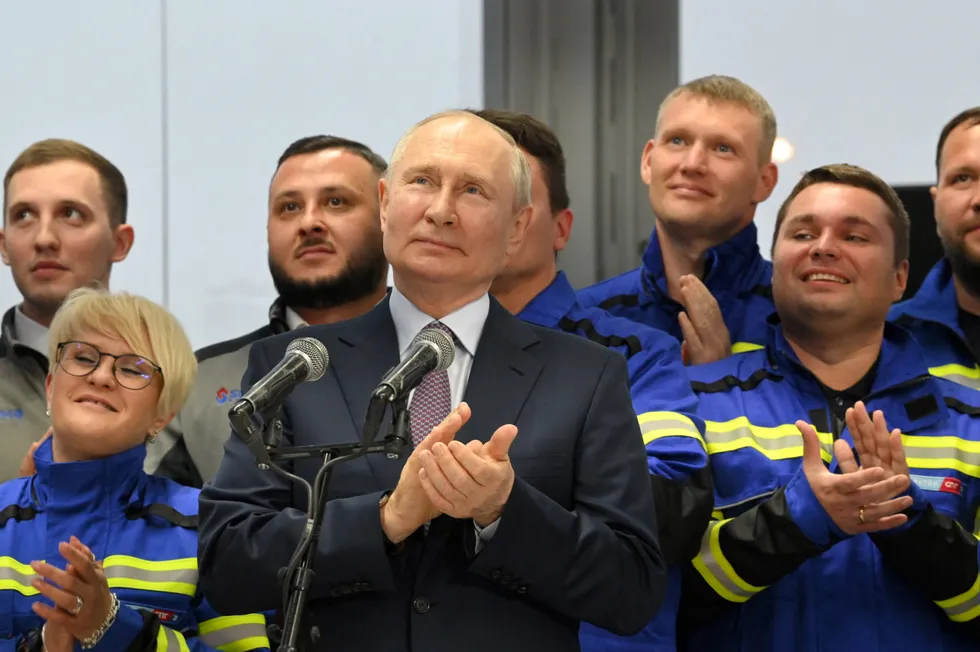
(538, 140)
(55, 150)
(856, 177)
(970, 116)
(319, 143)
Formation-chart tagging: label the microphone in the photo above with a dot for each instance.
(432, 350)
(306, 359)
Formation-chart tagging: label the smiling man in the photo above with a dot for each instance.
(327, 265)
(707, 168)
(64, 225)
(809, 551)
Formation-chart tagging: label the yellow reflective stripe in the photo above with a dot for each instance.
(717, 571)
(16, 576)
(777, 443)
(169, 640)
(924, 452)
(957, 373)
(235, 633)
(965, 606)
(717, 515)
(976, 524)
(655, 425)
(177, 576)
(743, 347)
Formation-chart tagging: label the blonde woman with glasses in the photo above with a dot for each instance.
(93, 551)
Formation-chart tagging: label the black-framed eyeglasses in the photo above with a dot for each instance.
(130, 370)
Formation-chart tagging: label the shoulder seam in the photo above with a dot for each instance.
(230, 346)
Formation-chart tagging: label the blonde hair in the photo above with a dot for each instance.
(148, 328)
(719, 88)
(520, 169)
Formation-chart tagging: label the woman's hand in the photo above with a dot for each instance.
(57, 639)
(82, 598)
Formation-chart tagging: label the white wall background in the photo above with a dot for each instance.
(195, 101)
(869, 82)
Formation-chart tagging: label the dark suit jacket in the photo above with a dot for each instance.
(576, 540)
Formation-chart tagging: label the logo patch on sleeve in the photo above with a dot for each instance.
(165, 616)
(936, 483)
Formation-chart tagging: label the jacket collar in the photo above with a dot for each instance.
(7, 337)
(902, 372)
(551, 304)
(900, 359)
(729, 267)
(935, 300)
(11, 346)
(277, 317)
(117, 478)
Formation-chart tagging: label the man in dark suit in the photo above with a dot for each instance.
(483, 538)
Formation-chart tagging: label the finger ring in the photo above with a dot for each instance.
(79, 603)
(861, 513)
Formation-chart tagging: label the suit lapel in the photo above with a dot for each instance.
(359, 358)
(503, 373)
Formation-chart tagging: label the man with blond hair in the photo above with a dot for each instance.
(64, 225)
(708, 166)
(478, 538)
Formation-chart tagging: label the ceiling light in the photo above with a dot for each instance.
(782, 150)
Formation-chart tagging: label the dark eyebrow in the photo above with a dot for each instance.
(295, 194)
(809, 218)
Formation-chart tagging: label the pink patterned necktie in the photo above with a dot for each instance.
(432, 400)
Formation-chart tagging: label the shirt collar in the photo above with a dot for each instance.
(466, 323)
(30, 333)
(551, 304)
(293, 320)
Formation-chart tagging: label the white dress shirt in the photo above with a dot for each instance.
(466, 324)
(293, 320)
(30, 333)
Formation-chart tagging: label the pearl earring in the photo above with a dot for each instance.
(47, 411)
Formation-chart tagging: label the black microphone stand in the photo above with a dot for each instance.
(263, 440)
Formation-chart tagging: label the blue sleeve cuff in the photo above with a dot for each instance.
(127, 626)
(920, 502)
(808, 514)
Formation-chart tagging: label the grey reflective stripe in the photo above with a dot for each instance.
(958, 378)
(14, 576)
(170, 638)
(651, 425)
(716, 436)
(913, 452)
(960, 612)
(729, 589)
(184, 576)
(233, 634)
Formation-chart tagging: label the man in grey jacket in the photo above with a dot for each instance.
(327, 265)
(64, 225)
